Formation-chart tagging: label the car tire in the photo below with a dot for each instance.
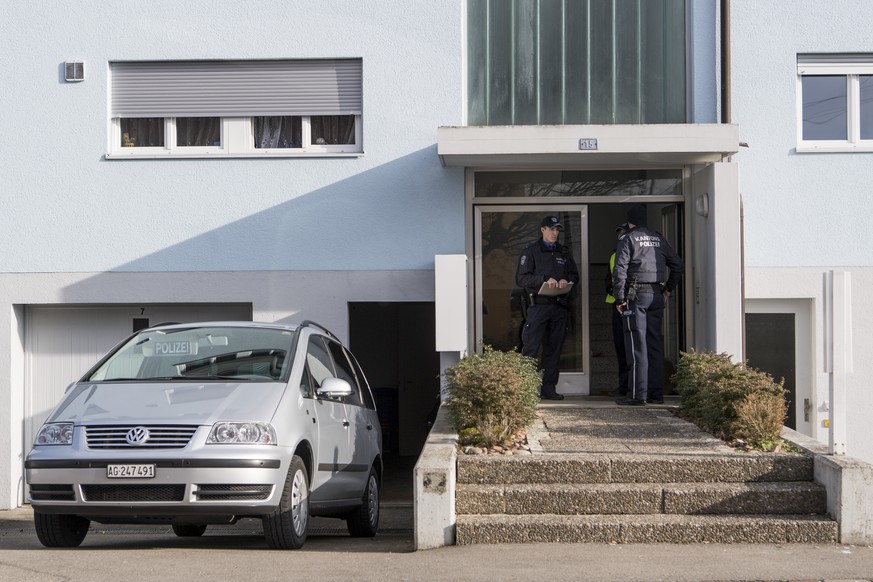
(60, 531)
(364, 521)
(188, 530)
(285, 528)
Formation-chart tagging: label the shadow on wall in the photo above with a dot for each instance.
(355, 223)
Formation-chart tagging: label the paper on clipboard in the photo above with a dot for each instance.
(554, 291)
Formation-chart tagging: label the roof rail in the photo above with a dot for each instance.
(310, 323)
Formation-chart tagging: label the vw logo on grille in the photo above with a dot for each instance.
(137, 436)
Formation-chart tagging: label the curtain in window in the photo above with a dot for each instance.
(540, 62)
(198, 131)
(277, 132)
(333, 129)
(142, 133)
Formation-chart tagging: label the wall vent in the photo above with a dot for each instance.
(74, 71)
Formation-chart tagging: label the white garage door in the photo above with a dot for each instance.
(63, 342)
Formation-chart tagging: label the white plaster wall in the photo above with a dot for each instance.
(808, 283)
(394, 207)
(809, 209)
(807, 213)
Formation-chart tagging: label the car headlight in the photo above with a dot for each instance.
(56, 433)
(242, 433)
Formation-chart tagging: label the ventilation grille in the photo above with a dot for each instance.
(159, 437)
(74, 71)
(133, 493)
(232, 492)
(52, 493)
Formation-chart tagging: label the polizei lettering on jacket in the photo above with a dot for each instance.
(647, 241)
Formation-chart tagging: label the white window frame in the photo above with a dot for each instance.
(851, 67)
(237, 141)
(236, 91)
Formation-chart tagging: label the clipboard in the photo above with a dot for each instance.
(547, 291)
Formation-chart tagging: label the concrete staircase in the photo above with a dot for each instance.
(653, 498)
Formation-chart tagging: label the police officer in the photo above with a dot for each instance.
(546, 261)
(641, 286)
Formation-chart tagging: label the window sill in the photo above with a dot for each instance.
(846, 148)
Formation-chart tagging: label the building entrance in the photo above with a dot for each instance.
(506, 209)
(503, 232)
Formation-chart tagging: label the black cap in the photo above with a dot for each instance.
(637, 215)
(552, 222)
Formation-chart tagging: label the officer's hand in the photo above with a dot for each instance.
(552, 283)
(562, 283)
(666, 294)
(620, 307)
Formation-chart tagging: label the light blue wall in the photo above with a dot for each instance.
(66, 209)
(800, 209)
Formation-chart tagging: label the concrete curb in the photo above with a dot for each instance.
(434, 478)
(849, 485)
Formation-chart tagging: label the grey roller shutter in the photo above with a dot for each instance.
(236, 88)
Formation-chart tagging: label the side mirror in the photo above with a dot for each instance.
(334, 388)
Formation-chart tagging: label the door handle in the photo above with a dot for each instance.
(369, 427)
(346, 424)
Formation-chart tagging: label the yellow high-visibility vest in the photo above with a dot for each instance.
(610, 298)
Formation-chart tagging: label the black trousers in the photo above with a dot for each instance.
(644, 346)
(546, 327)
(620, 354)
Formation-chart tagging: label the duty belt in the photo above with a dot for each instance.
(538, 300)
(649, 288)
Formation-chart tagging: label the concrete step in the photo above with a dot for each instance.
(633, 529)
(643, 498)
(649, 468)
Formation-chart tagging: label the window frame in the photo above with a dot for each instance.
(852, 68)
(237, 141)
(237, 91)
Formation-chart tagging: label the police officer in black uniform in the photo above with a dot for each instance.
(641, 285)
(546, 261)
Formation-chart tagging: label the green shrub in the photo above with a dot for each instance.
(760, 416)
(494, 393)
(730, 400)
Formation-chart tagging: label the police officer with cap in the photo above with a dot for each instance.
(641, 284)
(546, 262)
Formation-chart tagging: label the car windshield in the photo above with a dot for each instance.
(199, 353)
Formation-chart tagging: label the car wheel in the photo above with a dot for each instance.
(60, 531)
(364, 521)
(285, 528)
(188, 530)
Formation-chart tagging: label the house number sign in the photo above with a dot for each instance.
(587, 143)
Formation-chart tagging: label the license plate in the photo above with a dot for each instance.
(130, 471)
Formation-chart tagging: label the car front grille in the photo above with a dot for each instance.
(159, 437)
(133, 493)
(232, 492)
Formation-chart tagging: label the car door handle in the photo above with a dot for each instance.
(346, 424)
(369, 427)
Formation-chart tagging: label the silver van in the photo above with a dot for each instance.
(208, 423)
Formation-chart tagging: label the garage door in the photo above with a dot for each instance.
(63, 342)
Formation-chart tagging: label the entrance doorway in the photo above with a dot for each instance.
(502, 233)
(589, 363)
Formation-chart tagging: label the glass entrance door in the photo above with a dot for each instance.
(501, 233)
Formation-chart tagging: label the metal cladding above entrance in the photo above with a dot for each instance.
(582, 146)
